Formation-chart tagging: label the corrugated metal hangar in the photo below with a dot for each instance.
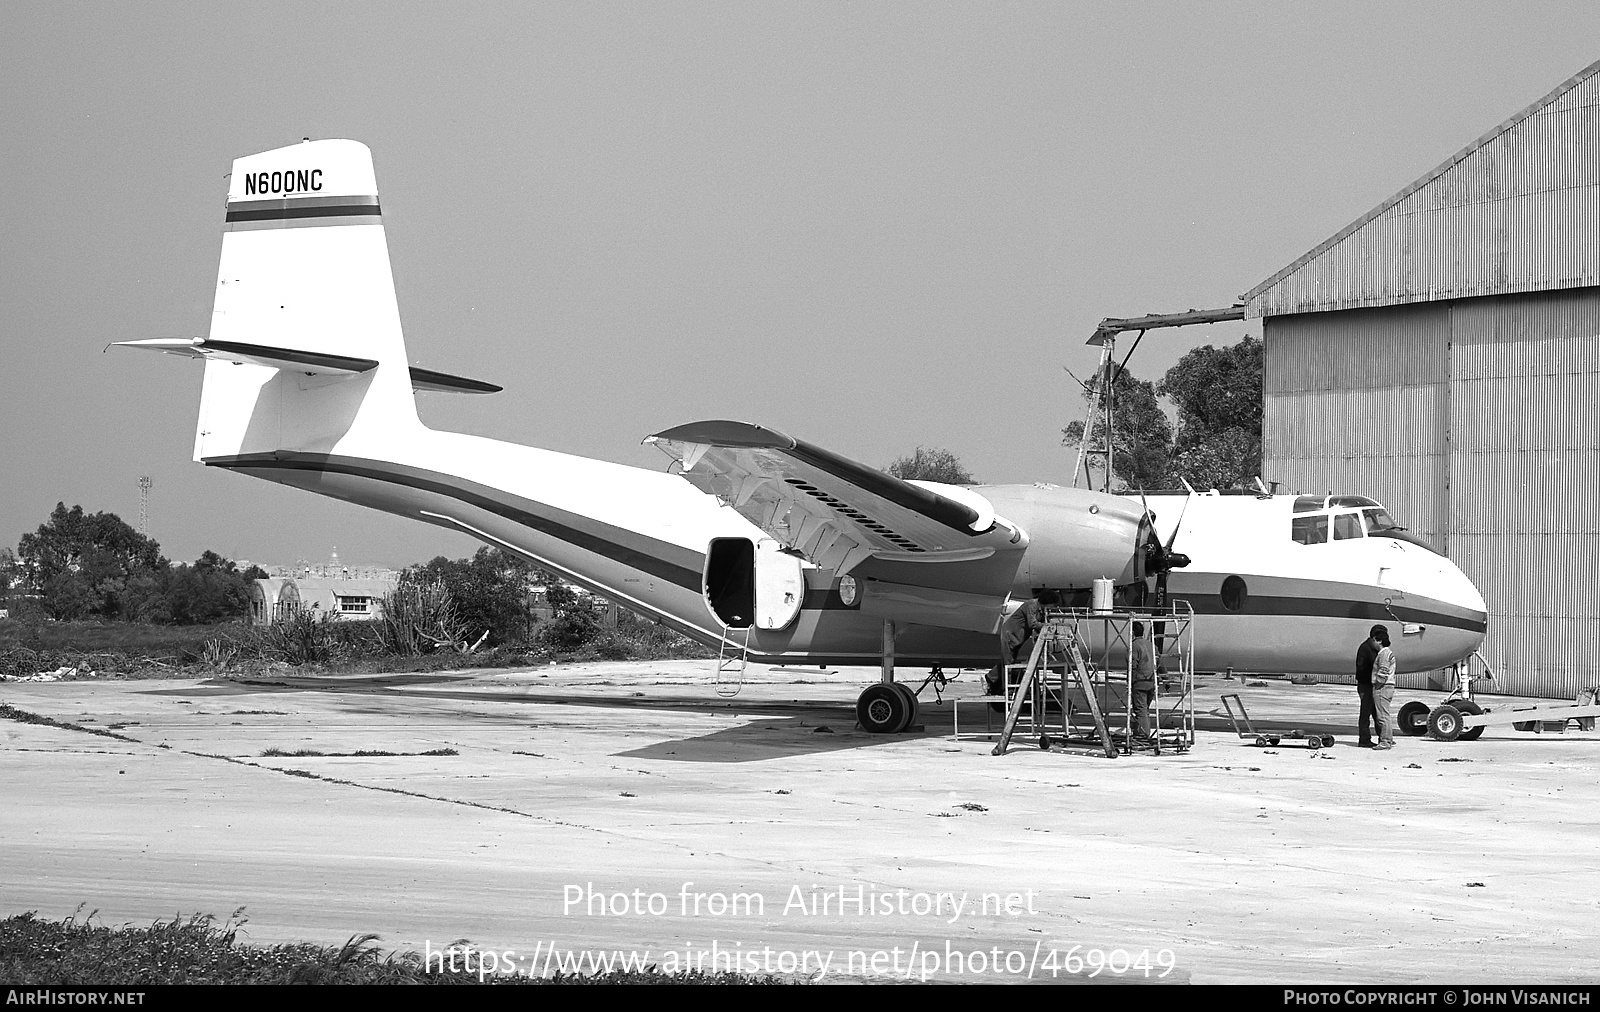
(1442, 354)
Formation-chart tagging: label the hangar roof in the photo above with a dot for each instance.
(1517, 210)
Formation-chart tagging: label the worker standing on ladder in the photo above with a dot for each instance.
(1017, 636)
(1142, 683)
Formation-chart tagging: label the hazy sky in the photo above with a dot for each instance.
(872, 226)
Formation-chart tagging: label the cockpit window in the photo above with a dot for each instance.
(1352, 500)
(1379, 520)
(1307, 503)
(1347, 525)
(1310, 530)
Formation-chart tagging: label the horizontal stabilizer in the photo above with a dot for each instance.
(309, 362)
(312, 363)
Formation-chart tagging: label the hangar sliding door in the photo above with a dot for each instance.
(1524, 472)
(1356, 401)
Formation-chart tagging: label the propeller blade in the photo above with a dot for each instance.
(1175, 527)
(1143, 553)
(1170, 561)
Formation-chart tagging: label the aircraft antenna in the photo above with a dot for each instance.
(144, 504)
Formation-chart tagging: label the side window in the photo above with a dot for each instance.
(1310, 530)
(1234, 593)
(1347, 525)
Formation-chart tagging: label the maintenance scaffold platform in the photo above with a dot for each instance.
(1076, 688)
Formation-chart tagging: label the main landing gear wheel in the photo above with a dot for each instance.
(882, 709)
(1444, 723)
(912, 706)
(1413, 718)
(1327, 741)
(1467, 706)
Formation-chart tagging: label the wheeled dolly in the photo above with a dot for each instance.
(1264, 738)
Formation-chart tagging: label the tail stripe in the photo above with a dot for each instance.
(287, 212)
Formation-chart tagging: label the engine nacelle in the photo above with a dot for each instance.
(1075, 536)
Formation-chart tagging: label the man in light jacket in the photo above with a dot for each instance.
(1383, 667)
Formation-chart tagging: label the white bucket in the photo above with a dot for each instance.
(1101, 601)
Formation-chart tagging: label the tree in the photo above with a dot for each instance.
(1217, 392)
(1141, 436)
(64, 543)
(487, 592)
(8, 577)
(931, 464)
(82, 564)
(211, 590)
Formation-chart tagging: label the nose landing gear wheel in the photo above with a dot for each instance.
(882, 709)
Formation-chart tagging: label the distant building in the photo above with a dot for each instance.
(277, 598)
(356, 599)
(272, 600)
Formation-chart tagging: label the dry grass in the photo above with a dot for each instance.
(198, 950)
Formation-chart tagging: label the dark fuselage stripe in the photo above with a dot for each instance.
(486, 499)
(1329, 607)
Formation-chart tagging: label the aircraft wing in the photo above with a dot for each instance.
(939, 548)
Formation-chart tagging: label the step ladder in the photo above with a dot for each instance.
(732, 658)
(1054, 648)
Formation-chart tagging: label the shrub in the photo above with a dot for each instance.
(419, 616)
(306, 637)
(488, 592)
(569, 630)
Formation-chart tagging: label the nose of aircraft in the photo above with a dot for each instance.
(1438, 586)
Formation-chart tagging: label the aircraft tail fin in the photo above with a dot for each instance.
(305, 350)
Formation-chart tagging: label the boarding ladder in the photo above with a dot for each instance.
(732, 658)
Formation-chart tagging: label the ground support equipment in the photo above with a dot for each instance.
(1261, 739)
(1461, 718)
(1075, 688)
